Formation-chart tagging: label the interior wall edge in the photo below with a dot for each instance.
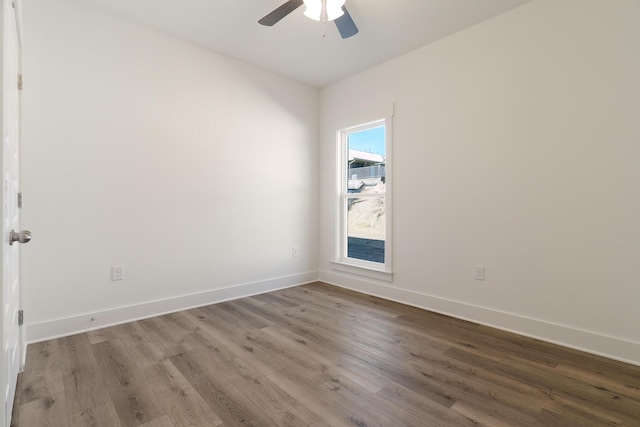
(589, 342)
(44, 331)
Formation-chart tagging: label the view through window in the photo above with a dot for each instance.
(364, 195)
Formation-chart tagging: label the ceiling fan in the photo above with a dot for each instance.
(325, 10)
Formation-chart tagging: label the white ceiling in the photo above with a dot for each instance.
(294, 47)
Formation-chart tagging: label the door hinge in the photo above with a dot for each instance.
(20, 199)
(20, 81)
(20, 318)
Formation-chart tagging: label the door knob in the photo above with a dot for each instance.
(22, 237)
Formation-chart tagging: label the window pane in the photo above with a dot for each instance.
(366, 158)
(366, 226)
(365, 175)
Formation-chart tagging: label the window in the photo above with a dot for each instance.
(364, 208)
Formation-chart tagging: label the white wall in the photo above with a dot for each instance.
(516, 147)
(194, 171)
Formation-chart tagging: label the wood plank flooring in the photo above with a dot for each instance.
(318, 355)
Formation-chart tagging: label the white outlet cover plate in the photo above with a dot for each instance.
(117, 272)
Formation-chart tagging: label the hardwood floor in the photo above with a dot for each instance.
(321, 356)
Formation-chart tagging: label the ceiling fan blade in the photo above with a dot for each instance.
(280, 12)
(345, 25)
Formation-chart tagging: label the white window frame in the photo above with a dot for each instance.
(370, 269)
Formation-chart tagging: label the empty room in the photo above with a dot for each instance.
(321, 213)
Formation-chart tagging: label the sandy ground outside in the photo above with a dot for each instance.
(366, 219)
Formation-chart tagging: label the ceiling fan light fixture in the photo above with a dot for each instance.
(334, 9)
(314, 9)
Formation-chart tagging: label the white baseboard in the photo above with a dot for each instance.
(590, 342)
(37, 332)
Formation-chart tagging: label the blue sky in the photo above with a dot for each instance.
(370, 140)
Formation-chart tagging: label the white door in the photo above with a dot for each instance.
(11, 332)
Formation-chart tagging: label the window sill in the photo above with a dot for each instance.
(362, 270)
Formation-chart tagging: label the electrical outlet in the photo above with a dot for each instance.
(479, 272)
(294, 251)
(117, 272)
